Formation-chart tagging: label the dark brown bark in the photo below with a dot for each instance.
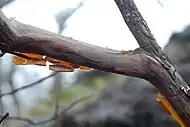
(169, 83)
(138, 27)
(149, 62)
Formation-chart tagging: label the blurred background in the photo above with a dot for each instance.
(37, 97)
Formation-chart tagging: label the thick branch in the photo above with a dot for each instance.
(147, 42)
(35, 40)
(19, 37)
(139, 27)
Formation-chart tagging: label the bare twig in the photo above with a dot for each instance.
(56, 91)
(63, 16)
(27, 86)
(10, 81)
(65, 111)
(56, 106)
(160, 3)
(4, 117)
(21, 119)
(2, 107)
(31, 122)
(73, 104)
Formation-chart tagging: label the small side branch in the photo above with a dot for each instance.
(34, 123)
(27, 86)
(4, 117)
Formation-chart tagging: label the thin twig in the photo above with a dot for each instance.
(160, 3)
(31, 122)
(4, 117)
(27, 86)
(10, 81)
(56, 90)
(56, 106)
(73, 104)
(2, 107)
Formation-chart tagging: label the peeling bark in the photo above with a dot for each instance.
(148, 63)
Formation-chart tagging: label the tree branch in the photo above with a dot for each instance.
(54, 117)
(34, 40)
(27, 86)
(138, 26)
(175, 87)
(18, 37)
(4, 117)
